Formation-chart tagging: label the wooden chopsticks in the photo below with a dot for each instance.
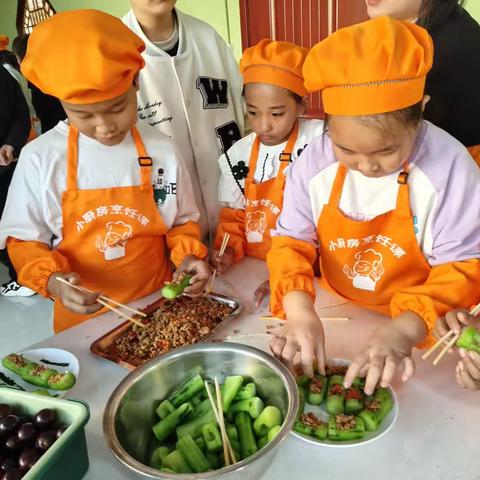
(448, 340)
(228, 453)
(225, 240)
(105, 301)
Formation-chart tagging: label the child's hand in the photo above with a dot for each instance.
(303, 332)
(261, 292)
(73, 300)
(454, 320)
(225, 262)
(389, 349)
(6, 155)
(468, 370)
(200, 272)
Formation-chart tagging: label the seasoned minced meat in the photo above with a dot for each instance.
(183, 321)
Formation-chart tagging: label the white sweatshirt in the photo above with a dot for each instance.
(33, 211)
(195, 98)
(268, 162)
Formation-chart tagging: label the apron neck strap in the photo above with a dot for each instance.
(285, 156)
(403, 197)
(72, 158)
(144, 160)
(337, 186)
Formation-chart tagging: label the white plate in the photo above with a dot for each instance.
(55, 355)
(369, 437)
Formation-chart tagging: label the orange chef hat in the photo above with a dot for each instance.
(83, 56)
(373, 67)
(276, 63)
(3, 42)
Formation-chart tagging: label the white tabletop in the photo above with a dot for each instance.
(436, 435)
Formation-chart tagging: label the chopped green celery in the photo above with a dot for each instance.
(269, 417)
(245, 432)
(335, 395)
(253, 406)
(176, 462)
(164, 428)
(193, 455)
(247, 391)
(191, 388)
(229, 390)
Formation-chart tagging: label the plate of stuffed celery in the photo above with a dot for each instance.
(333, 416)
(45, 371)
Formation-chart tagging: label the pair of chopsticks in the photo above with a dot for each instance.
(105, 301)
(228, 453)
(225, 240)
(337, 319)
(450, 338)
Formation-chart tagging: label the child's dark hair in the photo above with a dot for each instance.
(434, 13)
(19, 46)
(7, 57)
(408, 118)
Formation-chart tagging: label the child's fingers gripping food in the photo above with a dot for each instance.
(200, 272)
(78, 302)
(471, 362)
(387, 352)
(464, 377)
(224, 262)
(304, 336)
(454, 320)
(261, 292)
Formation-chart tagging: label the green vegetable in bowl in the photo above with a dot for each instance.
(188, 438)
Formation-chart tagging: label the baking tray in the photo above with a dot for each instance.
(104, 347)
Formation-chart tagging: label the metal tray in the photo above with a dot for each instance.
(104, 347)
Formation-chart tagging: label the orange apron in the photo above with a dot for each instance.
(368, 262)
(114, 238)
(475, 153)
(263, 201)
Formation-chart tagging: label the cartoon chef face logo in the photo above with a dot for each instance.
(255, 226)
(367, 269)
(113, 244)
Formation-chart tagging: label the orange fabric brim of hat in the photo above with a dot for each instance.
(274, 75)
(370, 99)
(83, 57)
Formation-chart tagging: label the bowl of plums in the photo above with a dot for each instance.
(41, 438)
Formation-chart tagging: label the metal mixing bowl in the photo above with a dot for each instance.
(130, 411)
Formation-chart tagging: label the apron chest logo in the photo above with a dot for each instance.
(113, 244)
(255, 227)
(366, 270)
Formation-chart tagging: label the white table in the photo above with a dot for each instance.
(436, 436)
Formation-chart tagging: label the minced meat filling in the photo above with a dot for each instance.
(345, 422)
(316, 385)
(311, 420)
(183, 321)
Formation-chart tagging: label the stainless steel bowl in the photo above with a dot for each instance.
(130, 411)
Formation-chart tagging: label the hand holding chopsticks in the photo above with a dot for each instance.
(106, 301)
(224, 245)
(448, 340)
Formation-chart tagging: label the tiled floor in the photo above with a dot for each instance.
(23, 320)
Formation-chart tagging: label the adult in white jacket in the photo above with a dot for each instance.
(190, 89)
